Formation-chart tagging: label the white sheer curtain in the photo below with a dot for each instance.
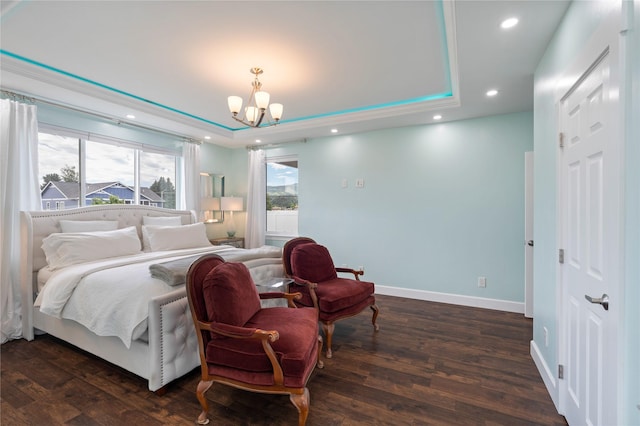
(256, 226)
(190, 184)
(19, 190)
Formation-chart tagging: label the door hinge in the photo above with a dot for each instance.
(560, 371)
(561, 139)
(561, 255)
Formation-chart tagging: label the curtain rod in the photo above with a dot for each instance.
(274, 145)
(31, 99)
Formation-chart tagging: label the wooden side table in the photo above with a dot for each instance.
(237, 242)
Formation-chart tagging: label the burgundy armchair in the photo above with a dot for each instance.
(268, 350)
(316, 278)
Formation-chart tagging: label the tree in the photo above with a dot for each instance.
(69, 173)
(50, 177)
(164, 189)
(113, 199)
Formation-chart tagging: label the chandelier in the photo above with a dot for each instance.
(257, 105)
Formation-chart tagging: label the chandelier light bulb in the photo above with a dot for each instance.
(252, 114)
(235, 104)
(262, 99)
(276, 111)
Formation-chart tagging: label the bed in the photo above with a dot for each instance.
(162, 347)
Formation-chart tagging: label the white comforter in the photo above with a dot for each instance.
(111, 297)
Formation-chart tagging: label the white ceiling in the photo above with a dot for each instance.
(350, 65)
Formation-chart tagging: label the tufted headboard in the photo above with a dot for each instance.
(35, 226)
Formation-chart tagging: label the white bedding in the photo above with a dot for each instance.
(110, 297)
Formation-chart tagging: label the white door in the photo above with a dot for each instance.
(590, 236)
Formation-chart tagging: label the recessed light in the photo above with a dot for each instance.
(131, 116)
(258, 140)
(334, 130)
(492, 92)
(509, 23)
(207, 137)
(437, 117)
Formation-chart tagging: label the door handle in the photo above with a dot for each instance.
(604, 300)
(530, 243)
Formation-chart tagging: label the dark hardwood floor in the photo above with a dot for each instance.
(430, 364)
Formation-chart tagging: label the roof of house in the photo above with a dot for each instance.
(71, 190)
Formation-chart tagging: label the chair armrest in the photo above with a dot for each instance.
(239, 332)
(279, 295)
(312, 289)
(355, 273)
(304, 282)
(271, 295)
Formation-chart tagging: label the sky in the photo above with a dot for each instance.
(278, 174)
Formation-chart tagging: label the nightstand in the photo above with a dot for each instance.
(233, 241)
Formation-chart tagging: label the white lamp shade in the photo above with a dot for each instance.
(235, 104)
(231, 204)
(252, 114)
(276, 111)
(210, 204)
(262, 99)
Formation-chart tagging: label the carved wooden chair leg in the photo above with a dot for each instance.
(301, 401)
(203, 386)
(375, 310)
(328, 328)
(320, 364)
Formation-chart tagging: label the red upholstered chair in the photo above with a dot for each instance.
(269, 350)
(315, 276)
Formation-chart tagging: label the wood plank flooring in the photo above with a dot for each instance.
(430, 364)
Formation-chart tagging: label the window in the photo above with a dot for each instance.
(157, 179)
(59, 167)
(282, 196)
(78, 171)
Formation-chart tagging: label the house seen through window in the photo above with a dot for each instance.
(77, 171)
(282, 196)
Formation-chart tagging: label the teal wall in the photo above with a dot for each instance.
(442, 204)
(579, 23)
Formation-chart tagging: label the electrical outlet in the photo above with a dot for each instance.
(360, 183)
(482, 282)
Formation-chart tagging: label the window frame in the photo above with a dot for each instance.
(138, 148)
(282, 159)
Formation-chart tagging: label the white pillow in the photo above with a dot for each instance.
(162, 220)
(88, 225)
(157, 221)
(176, 237)
(65, 249)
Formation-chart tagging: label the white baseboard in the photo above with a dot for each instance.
(454, 299)
(547, 374)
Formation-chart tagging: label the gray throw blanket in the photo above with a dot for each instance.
(173, 272)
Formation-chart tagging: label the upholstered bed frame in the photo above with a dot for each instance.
(172, 347)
